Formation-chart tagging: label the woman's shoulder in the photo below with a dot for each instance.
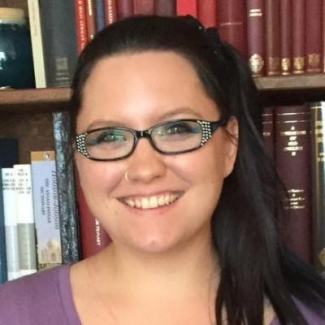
(38, 298)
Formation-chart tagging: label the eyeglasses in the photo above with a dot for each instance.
(168, 138)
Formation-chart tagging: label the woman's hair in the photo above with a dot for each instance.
(254, 264)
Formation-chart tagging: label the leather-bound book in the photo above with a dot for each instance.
(285, 37)
(93, 237)
(124, 8)
(207, 12)
(255, 36)
(110, 12)
(323, 36)
(268, 129)
(318, 183)
(81, 24)
(144, 7)
(165, 7)
(91, 19)
(298, 36)
(231, 22)
(272, 37)
(292, 157)
(313, 36)
(187, 7)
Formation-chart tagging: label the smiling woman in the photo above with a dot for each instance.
(168, 149)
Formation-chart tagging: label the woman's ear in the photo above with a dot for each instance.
(231, 132)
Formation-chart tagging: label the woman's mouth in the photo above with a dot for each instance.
(151, 202)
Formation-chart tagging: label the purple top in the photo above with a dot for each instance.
(45, 298)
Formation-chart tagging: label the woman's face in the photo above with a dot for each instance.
(138, 91)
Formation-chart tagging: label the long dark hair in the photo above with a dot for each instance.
(254, 263)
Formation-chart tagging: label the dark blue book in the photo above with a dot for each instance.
(8, 152)
(99, 14)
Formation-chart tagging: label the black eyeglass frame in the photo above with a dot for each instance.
(207, 127)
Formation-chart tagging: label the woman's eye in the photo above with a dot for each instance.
(180, 128)
(111, 136)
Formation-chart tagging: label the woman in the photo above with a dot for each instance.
(171, 161)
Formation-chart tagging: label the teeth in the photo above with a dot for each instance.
(151, 202)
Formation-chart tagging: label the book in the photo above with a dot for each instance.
(99, 14)
(69, 229)
(143, 7)
(25, 219)
(255, 37)
(268, 129)
(46, 209)
(232, 23)
(285, 37)
(10, 147)
(298, 10)
(110, 11)
(37, 43)
(165, 7)
(3, 254)
(318, 183)
(207, 12)
(124, 8)
(272, 37)
(60, 42)
(10, 217)
(292, 157)
(93, 238)
(186, 7)
(81, 24)
(91, 19)
(313, 33)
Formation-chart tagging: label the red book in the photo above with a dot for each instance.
(124, 8)
(298, 36)
(272, 37)
(110, 11)
(313, 36)
(207, 12)
(323, 36)
(165, 7)
(90, 18)
(144, 7)
(231, 21)
(285, 37)
(81, 24)
(255, 37)
(186, 7)
(292, 156)
(93, 237)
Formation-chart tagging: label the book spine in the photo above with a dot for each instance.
(124, 8)
(93, 237)
(285, 36)
(268, 129)
(37, 43)
(46, 210)
(110, 11)
(232, 23)
(11, 232)
(255, 37)
(59, 41)
(99, 14)
(187, 7)
(9, 146)
(165, 7)
(298, 36)
(313, 35)
(272, 37)
(66, 190)
(25, 219)
(90, 19)
(81, 24)
(318, 183)
(3, 254)
(207, 12)
(323, 36)
(292, 156)
(143, 7)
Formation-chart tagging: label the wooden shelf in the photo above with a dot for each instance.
(306, 87)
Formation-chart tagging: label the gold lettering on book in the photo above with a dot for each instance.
(256, 64)
(321, 257)
(274, 65)
(295, 200)
(285, 65)
(313, 60)
(293, 145)
(255, 13)
(298, 64)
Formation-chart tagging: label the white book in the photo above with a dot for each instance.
(25, 219)
(10, 216)
(46, 210)
(37, 43)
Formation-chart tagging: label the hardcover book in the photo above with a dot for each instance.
(124, 8)
(298, 8)
(110, 11)
(3, 254)
(165, 7)
(143, 7)
(285, 37)
(81, 24)
(207, 12)
(186, 7)
(46, 209)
